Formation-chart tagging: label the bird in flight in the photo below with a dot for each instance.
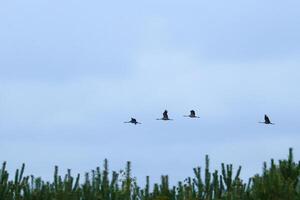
(133, 121)
(192, 114)
(267, 120)
(165, 116)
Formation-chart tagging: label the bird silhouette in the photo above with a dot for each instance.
(165, 116)
(192, 114)
(133, 121)
(267, 120)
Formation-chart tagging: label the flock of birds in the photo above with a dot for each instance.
(191, 115)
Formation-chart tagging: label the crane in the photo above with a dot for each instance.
(165, 116)
(192, 114)
(267, 120)
(133, 121)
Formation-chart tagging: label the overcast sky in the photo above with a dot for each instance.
(71, 72)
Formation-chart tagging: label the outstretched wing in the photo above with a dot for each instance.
(133, 120)
(165, 114)
(193, 113)
(267, 120)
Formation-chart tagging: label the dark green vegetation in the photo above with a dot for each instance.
(278, 181)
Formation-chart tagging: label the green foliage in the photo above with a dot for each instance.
(277, 182)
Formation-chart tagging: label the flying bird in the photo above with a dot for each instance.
(165, 116)
(133, 121)
(192, 114)
(267, 120)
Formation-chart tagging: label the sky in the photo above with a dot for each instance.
(71, 72)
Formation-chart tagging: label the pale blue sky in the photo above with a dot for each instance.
(72, 71)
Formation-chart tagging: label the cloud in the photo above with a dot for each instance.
(68, 81)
